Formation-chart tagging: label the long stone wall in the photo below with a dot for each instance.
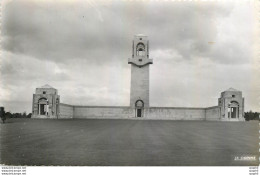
(213, 113)
(156, 113)
(66, 111)
(175, 113)
(103, 112)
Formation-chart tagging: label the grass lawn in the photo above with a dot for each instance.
(127, 142)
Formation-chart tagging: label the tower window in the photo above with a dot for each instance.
(140, 49)
(140, 52)
(44, 92)
(233, 96)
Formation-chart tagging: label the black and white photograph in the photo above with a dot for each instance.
(129, 83)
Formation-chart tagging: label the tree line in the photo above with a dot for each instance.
(251, 115)
(17, 115)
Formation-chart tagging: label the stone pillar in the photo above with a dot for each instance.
(47, 109)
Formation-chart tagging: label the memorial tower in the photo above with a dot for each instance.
(140, 63)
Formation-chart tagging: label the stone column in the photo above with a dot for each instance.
(47, 109)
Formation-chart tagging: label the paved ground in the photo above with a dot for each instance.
(127, 142)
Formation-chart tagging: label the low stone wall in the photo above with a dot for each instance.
(213, 113)
(156, 113)
(103, 112)
(173, 113)
(66, 111)
(124, 112)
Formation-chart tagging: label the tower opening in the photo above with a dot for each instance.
(140, 52)
(139, 105)
(139, 112)
(140, 49)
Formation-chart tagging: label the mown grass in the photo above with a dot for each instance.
(127, 142)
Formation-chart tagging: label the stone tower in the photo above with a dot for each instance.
(45, 102)
(140, 62)
(231, 104)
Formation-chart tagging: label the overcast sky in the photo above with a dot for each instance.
(81, 48)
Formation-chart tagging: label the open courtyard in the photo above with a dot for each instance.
(94, 142)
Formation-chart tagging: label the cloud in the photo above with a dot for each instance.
(81, 48)
(60, 31)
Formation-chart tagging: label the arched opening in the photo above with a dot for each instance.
(139, 105)
(43, 106)
(233, 110)
(140, 49)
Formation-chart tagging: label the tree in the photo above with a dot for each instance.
(2, 114)
(8, 114)
(24, 115)
(29, 115)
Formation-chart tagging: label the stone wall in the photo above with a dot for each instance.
(173, 113)
(66, 111)
(213, 113)
(103, 112)
(117, 112)
(156, 113)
